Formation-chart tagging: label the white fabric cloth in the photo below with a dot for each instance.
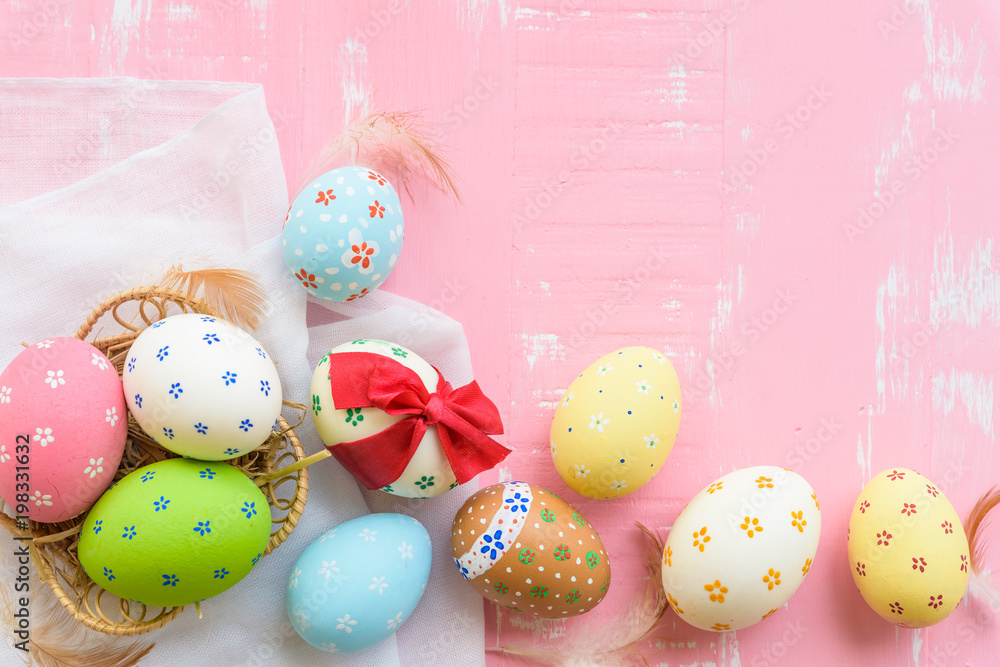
(103, 184)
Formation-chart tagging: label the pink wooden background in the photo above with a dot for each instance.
(660, 173)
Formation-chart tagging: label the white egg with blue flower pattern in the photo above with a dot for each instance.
(356, 584)
(202, 387)
(343, 233)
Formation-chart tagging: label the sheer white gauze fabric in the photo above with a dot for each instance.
(106, 182)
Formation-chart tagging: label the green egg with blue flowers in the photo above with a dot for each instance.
(175, 532)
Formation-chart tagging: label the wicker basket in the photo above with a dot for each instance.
(54, 546)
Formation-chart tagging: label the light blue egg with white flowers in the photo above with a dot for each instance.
(343, 233)
(356, 584)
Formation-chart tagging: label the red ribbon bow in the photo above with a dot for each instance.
(463, 417)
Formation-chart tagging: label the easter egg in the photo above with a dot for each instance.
(343, 234)
(428, 472)
(62, 428)
(740, 549)
(528, 550)
(202, 387)
(175, 532)
(616, 423)
(358, 583)
(906, 548)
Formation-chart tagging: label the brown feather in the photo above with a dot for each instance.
(974, 528)
(398, 143)
(58, 640)
(607, 643)
(234, 294)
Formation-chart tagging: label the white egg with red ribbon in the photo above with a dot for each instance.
(393, 421)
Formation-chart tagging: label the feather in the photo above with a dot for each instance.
(981, 584)
(58, 640)
(234, 294)
(396, 142)
(603, 643)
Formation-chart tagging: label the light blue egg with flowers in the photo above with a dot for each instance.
(355, 585)
(343, 233)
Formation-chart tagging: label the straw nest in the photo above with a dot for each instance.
(53, 547)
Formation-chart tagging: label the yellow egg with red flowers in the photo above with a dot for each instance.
(906, 549)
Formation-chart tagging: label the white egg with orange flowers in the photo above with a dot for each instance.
(741, 548)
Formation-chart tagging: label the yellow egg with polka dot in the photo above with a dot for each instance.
(616, 423)
(906, 548)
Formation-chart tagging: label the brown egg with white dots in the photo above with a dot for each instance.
(529, 551)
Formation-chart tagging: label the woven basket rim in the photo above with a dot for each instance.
(285, 445)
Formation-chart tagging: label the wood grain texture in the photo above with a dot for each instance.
(668, 174)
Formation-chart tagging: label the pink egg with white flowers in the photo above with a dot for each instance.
(63, 425)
